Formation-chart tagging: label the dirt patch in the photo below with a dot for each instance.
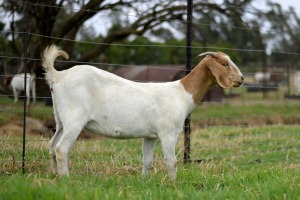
(11, 129)
(35, 127)
(246, 121)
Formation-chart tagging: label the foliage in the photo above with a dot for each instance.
(285, 34)
(141, 51)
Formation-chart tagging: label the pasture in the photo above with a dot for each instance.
(244, 148)
(245, 161)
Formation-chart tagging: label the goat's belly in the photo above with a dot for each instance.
(119, 132)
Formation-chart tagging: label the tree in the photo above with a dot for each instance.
(54, 21)
(285, 26)
(224, 25)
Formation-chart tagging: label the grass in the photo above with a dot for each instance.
(258, 183)
(246, 114)
(236, 163)
(242, 162)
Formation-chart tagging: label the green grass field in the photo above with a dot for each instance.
(230, 162)
(233, 163)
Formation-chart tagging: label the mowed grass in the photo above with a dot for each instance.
(261, 162)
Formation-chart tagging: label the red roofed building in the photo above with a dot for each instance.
(152, 73)
(164, 73)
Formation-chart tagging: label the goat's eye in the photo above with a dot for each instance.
(225, 64)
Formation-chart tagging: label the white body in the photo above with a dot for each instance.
(118, 108)
(297, 83)
(17, 84)
(106, 104)
(260, 77)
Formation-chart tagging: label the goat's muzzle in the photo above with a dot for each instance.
(239, 82)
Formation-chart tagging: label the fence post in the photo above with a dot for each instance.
(25, 60)
(187, 128)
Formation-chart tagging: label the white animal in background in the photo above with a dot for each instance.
(297, 83)
(260, 77)
(17, 84)
(106, 104)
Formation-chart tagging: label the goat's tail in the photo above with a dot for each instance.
(48, 58)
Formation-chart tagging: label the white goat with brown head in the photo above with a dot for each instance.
(106, 104)
(17, 84)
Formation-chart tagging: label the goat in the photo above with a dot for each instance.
(260, 77)
(114, 107)
(17, 84)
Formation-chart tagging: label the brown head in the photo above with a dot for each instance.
(226, 73)
(215, 69)
(7, 80)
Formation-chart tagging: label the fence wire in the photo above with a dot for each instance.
(152, 45)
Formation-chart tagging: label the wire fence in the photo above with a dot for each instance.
(12, 153)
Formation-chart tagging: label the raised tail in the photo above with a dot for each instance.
(48, 58)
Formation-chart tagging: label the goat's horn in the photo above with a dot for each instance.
(210, 53)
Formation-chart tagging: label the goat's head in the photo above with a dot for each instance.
(7, 80)
(227, 74)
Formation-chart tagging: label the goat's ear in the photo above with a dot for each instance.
(220, 73)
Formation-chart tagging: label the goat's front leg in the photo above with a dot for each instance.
(168, 145)
(16, 94)
(33, 91)
(148, 147)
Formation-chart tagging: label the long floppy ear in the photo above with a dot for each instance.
(220, 73)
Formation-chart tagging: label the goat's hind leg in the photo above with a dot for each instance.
(63, 148)
(54, 140)
(71, 130)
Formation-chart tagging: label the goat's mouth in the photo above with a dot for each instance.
(238, 83)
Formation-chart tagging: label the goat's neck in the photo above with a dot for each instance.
(198, 81)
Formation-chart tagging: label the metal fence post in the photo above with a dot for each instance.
(187, 128)
(25, 60)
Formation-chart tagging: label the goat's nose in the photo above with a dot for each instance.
(242, 77)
